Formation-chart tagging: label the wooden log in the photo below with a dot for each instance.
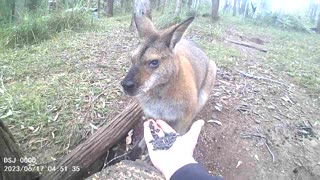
(12, 164)
(79, 161)
(134, 170)
(248, 44)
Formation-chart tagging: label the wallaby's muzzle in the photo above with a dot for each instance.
(128, 87)
(129, 84)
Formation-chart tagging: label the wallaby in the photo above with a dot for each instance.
(170, 76)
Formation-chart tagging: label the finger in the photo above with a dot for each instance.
(193, 134)
(155, 129)
(165, 127)
(147, 133)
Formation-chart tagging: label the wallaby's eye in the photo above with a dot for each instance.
(154, 63)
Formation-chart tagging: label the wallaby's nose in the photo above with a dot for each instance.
(127, 85)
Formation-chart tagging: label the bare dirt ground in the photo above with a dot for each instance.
(259, 125)
(269, 130)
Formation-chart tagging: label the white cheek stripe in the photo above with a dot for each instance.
(149, 84)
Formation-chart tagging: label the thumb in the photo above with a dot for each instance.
(193, 134)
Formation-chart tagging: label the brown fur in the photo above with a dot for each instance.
(178, 87)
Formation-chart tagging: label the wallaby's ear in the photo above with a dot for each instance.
(144, 25)
(173, 35)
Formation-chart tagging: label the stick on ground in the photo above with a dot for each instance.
(249, 45)
(262, 78)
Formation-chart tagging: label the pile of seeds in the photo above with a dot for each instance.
(162, 143)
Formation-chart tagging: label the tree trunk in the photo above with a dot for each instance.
(226, 6)
(246, 10)
(109, 8)
(32, 5)
(140, 7)
(9, 151)
(243, 6)
(99, 7)
(238, 6)
(80, 160)
(122, 4)
(235, 7)
(178, 8)
(189, 4)
(13, 10)
(258, 9)
(127, 5)
(313, 11)
(318, 24)
(163, 5)
(214, 9)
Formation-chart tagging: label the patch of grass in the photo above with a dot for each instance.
(49, 92)
(283, 21)
(211, 41)
(35, 28)
(291, 53)
(168, 18)
(222, 55)
(298, 55)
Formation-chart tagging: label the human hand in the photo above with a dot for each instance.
(179, 154)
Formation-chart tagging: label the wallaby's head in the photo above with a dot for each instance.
(153, 62)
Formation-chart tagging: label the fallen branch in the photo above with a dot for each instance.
(247, 44)
(10, 155)
(265, 141)
(272, 155)
(262, 78)
(85, 158)
(115, 158)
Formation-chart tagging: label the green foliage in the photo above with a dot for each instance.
(168, 18)
(283, 21)
(34, 28)
(297, 55)
(71, 20)
(5, 10)
(293, 54)
(29, 30)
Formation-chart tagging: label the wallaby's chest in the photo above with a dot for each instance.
(164, 109)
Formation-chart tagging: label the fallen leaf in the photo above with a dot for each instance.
(36, 129)
(256, 157)
(239, 163)
(287, 99)
(93, 126)
(56, 117)
(215, 121)
(31, 128)
(271, 107)
(218, 107)
(9, 113)
(217, 94)
(129, 139)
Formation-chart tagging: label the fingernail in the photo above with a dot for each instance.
(159, 120)
(201, 122)
(146, 123)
